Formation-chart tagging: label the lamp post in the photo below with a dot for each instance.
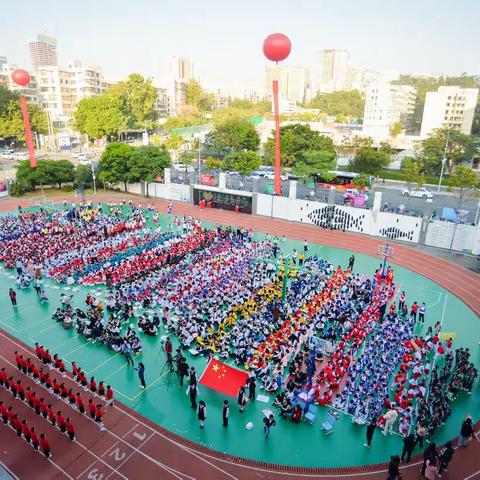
(277, 47)
(22, 79)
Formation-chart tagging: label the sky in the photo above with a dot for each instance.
(224, 38)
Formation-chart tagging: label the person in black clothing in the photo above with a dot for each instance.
(408, 446)
(393, 468)
(445, 457)
(466, 432)
(252, 385)
(192, 391)
(351, 261)
(182, 369)
(225, 413)
(429, 454)
(370, 430)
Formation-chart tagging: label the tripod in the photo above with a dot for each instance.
(168, 376)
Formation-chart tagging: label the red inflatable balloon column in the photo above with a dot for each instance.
(277, 47)
(22, 79)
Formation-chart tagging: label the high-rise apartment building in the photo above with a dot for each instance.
(60, 89)
(180, 73)
(449, 107)
(43, 51)
(292, 82)
(386, 104)
(3, 61)
(331, 70)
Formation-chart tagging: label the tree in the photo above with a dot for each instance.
(243, 162)
(197, 97)
(348, 103)
(63, 171)
(101, 116)
(341, 118)
(146, 163)
(467, 182)
(362, 181)
(412, 173)
(114, 163)
(370, 161)
(460, 148)
(350, 146)
(83, 176)
(212, 163)
(11, 120)
(173, 144)
(316, 162)
(295, 140)
(233, 135)
(397, 129)
(187, 156)
(138, 97)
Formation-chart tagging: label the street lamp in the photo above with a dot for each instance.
(22, 79)
(277, 47)
(444, 160)
(93, 178)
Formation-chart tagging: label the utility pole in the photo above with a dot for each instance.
(444, 160)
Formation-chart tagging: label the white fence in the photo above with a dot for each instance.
(461, 238)
(339, 217)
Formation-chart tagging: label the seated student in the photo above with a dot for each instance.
(297, 414)
(285, 408)
(43, 297)
(68, 320)
(58, 315)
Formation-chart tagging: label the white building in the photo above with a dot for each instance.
(449, 107)
(43, 51)
(292, 82)
(386, 104)
(331, 70)
(30, 92)
(180, 72)
(60, 89)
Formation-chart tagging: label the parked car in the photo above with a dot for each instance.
(271, 176)
(421, 192)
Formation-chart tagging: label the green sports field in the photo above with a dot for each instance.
(169, 406)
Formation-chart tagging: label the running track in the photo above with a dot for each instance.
(133, 447)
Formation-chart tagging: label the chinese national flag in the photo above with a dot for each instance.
(223, 378)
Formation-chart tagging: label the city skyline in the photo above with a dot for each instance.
(227, 54)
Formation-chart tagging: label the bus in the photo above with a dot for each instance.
(341, 181)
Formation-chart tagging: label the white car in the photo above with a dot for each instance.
(422, 192)
(271, 176)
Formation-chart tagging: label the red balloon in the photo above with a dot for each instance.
(21, 77)
(277, 47)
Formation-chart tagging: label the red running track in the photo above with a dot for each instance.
(133, 447)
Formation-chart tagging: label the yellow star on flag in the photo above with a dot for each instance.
(215, 368)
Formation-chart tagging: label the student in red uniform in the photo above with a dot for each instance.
(43, 408)
(28, 396)
(62, 425)
(42, 376)
(93, 385)
(91, 408)
(20, 390)
(109, 395)
(23, 364)
(47, 359)
(35, 373)
(35, 403)
(17, 424)
(74, 369)
(63, 391)
(26, 431)
(70, 429)
(71, 397)
(17, 360)
(56, 387)
(51, 414)
(79, 402)
(48, 381)
(34, 438)
(3, 377)
(4, 412)
(44, 445)
(29, 364)
(83, 380)
(98, 417)
(101, 389)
